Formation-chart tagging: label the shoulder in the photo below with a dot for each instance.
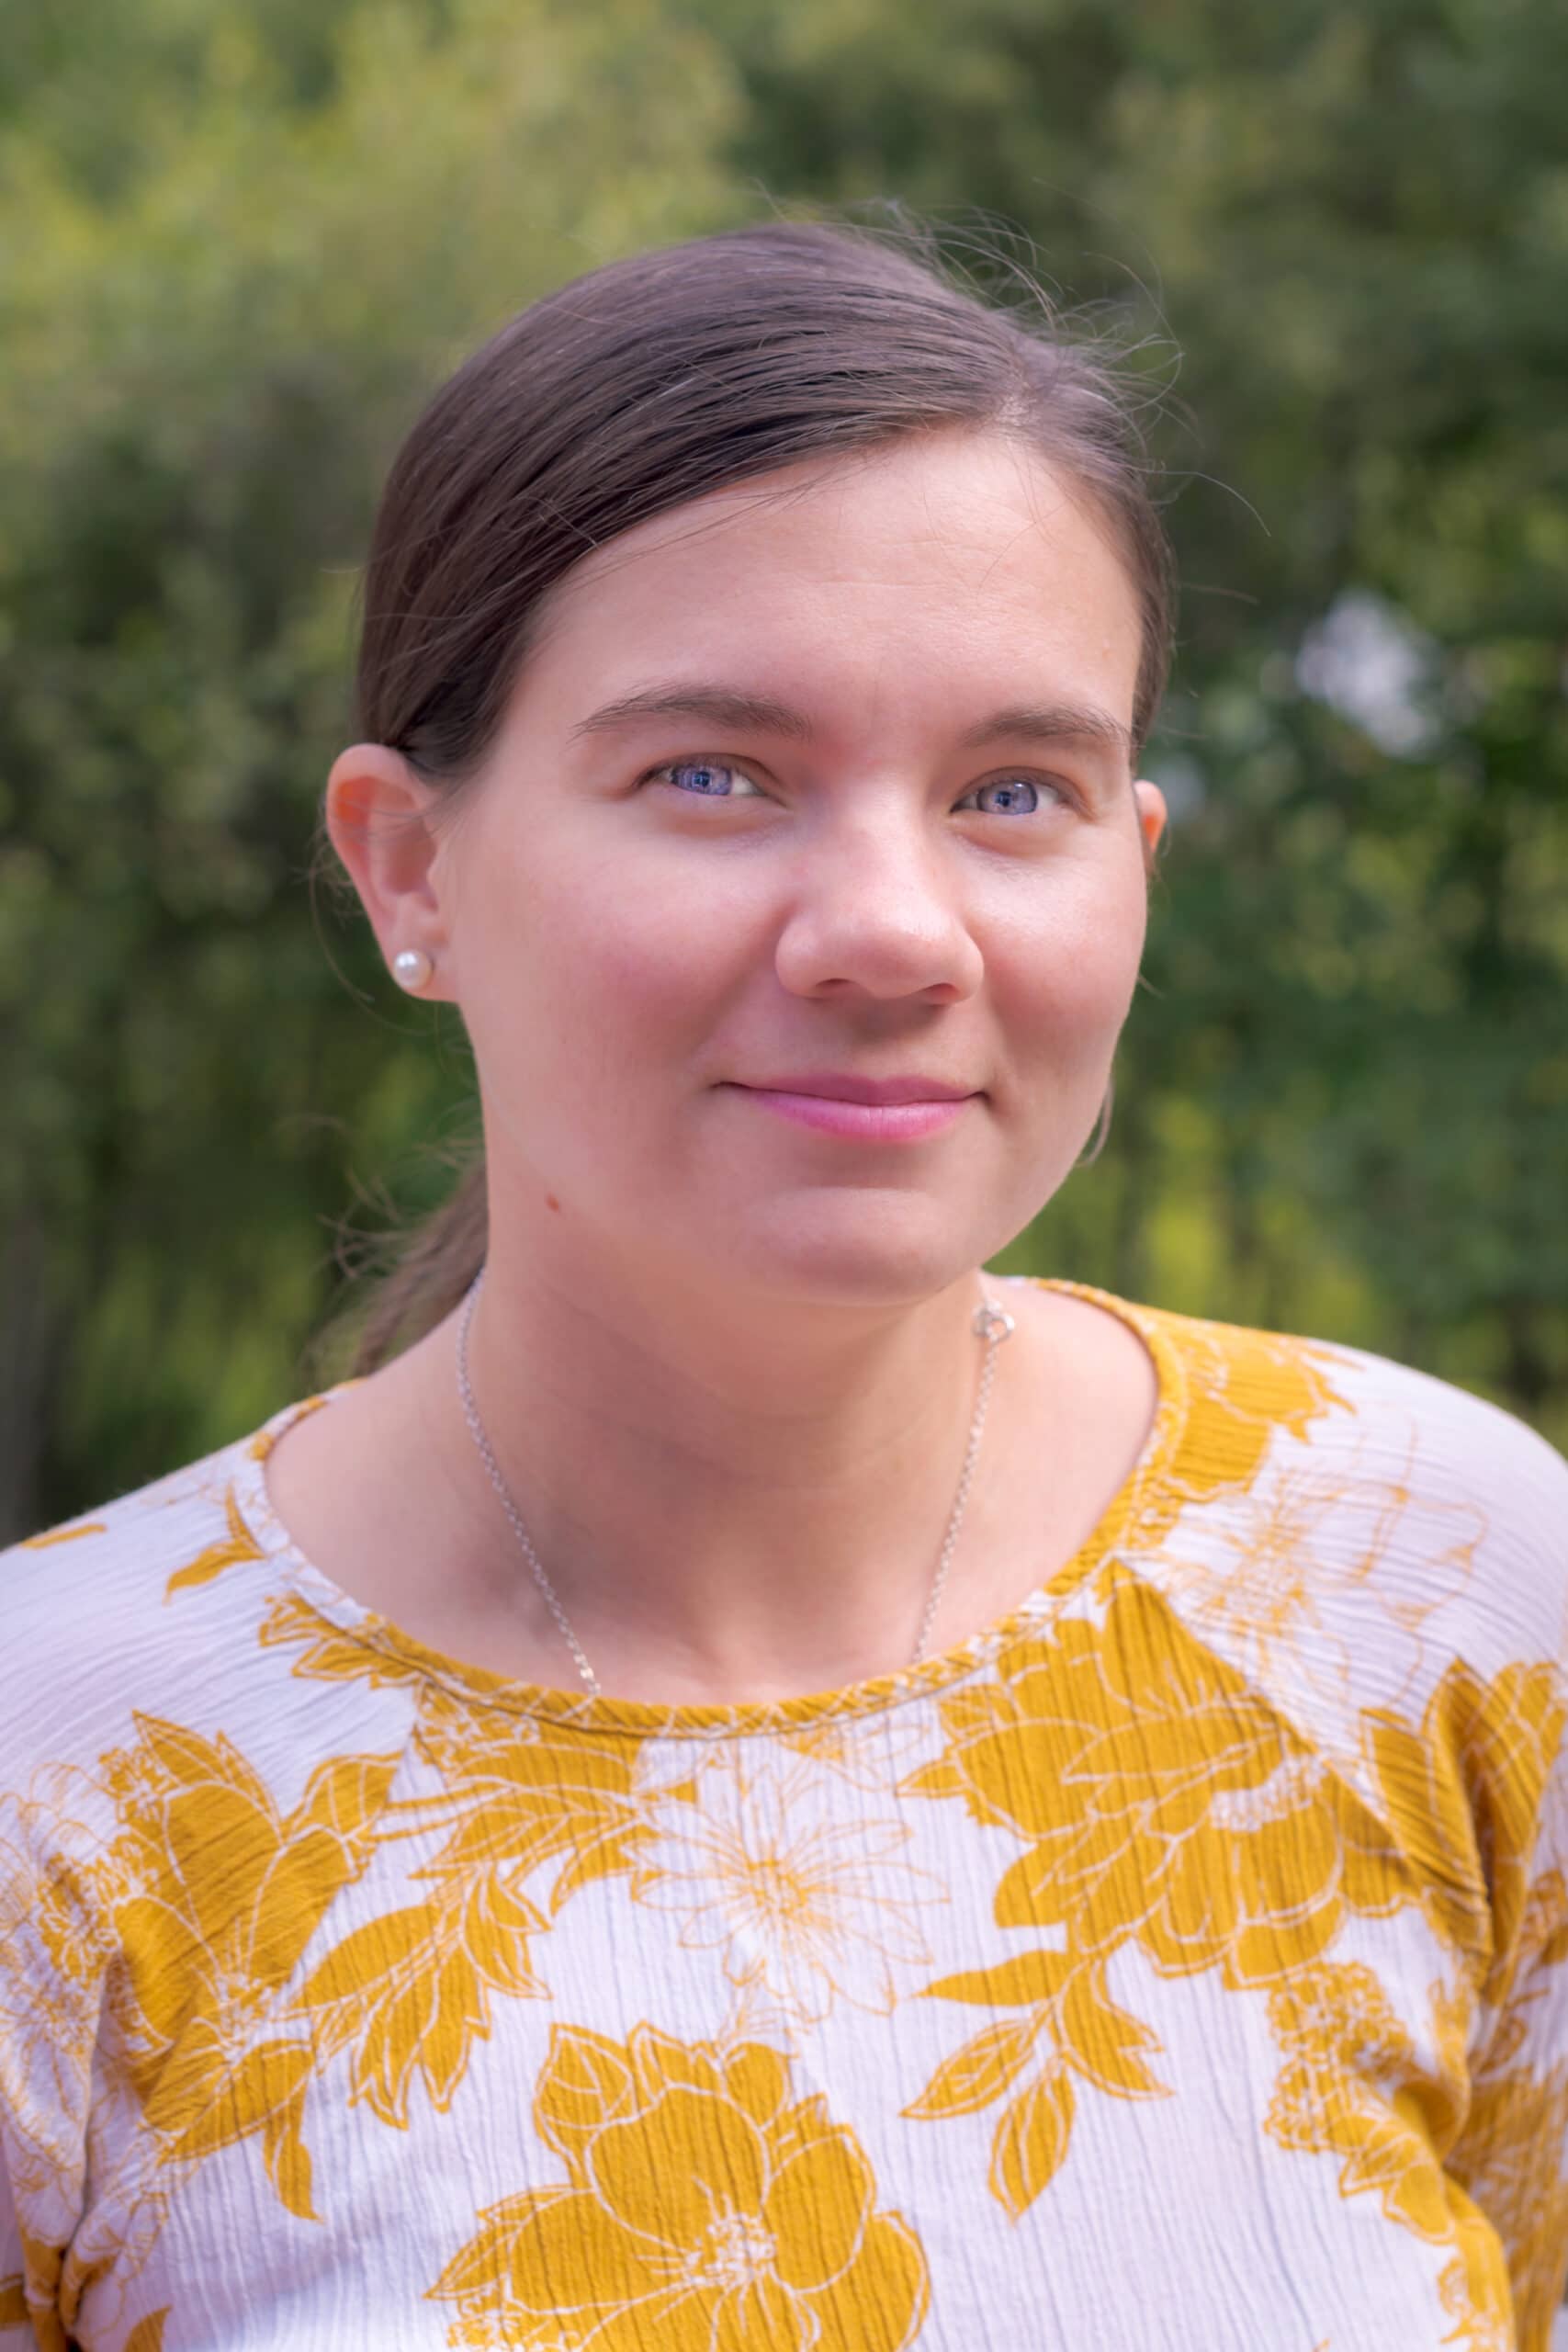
(1348, 1406)
(1459, 1442)
(114, 1558)
(1296, 1457)
(104, 1613)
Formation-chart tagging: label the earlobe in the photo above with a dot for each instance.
(377, 813)
(1152, 818)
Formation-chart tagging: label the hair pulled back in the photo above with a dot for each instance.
(643, 385)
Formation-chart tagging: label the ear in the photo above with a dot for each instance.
(379, 815)
(1152, 816)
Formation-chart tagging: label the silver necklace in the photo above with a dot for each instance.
(990, 1323)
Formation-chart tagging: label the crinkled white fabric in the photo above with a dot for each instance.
(1182, 1963)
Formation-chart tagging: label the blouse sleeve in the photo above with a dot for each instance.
(1512, 2156)
(16, 2325)
(46, 2041)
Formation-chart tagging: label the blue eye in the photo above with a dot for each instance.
(1014, 796)
(711, 778)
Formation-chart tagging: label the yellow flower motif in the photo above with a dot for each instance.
(1160, 1798)
(1343, 2090)
(1352, 2086)
(53, 1955)
(703, 2211)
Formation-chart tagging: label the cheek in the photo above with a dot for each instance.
(615, 975)
(658, 966)
(1063, 973)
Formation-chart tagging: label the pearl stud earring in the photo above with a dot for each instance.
(412, 967)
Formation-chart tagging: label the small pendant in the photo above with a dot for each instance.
(992, 1322)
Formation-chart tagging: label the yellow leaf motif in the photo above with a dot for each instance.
(1510, 2114)
(1028, 1976)
(1031, 2141)
(147, 2335)
(1463, 1793)
(700, 2209)
(1103, 2043)
(1082, 2029)
(265, 2093)
(518, 1794)
(940, 1778)
(332, 1655)
(215, 1896)
(46, 2270)
(978, 2072)
(261, 1445)
(63, 1535)
(410, 1991)
(1243, 1387)
(239, 1544)
(1473, 2290)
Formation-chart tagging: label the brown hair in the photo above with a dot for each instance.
(647, 383)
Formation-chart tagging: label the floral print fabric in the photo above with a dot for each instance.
(1181, 1962)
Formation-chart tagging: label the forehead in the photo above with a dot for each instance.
(943, 564)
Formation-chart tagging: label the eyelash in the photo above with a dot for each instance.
(1038, 783)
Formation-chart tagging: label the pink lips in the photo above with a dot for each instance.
(888, 1110)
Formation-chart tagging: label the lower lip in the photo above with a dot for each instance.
(863, 1122)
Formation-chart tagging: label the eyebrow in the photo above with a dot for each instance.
(1053, 723)
(719, 706)
(761, 714)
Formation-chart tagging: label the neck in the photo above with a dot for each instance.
(735, 1495)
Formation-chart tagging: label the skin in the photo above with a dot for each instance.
(725, 1360)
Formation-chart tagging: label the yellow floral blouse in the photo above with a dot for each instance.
(1182, 1962)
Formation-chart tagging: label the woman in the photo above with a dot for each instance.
(754, 1786)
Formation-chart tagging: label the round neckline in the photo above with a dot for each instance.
(401, 1655)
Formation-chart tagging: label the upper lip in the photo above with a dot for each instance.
(846, 1086)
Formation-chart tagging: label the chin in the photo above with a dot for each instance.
(864, 1247)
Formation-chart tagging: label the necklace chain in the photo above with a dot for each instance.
(990, 1323)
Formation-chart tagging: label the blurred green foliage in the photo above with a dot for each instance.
(237, 246)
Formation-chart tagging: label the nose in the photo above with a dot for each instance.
(876, 910)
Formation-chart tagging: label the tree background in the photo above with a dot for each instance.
(239, 243)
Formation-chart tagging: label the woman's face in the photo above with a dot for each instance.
(805, 797)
